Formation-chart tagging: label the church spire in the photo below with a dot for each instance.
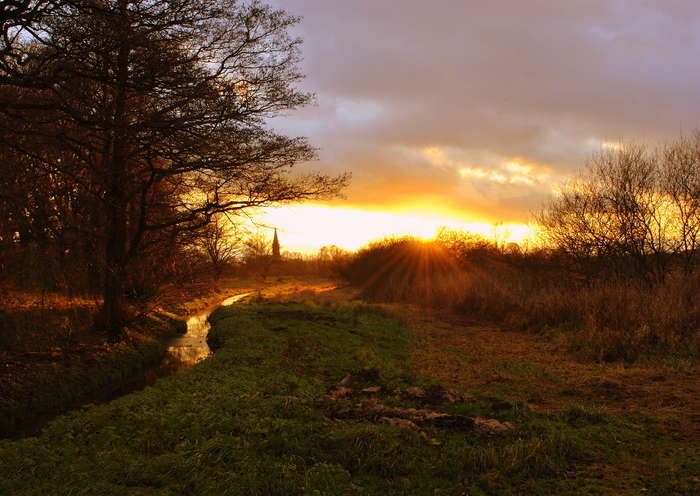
(276, 247)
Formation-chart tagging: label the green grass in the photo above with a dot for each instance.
(252, 420)
(517, 368)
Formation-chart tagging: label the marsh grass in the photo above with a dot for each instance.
(251, 420)
(614, 321)
(618, 318)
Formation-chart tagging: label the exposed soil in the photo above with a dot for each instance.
(525, 366)
(402, 416)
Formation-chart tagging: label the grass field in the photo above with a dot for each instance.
(259, 418)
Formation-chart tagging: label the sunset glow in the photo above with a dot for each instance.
(467, 114)
(306, 228)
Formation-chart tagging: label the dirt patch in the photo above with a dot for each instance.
(433, 394)
(364, 375)
(412, 418)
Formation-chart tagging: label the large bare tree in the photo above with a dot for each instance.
(18, 16)
(154, 113)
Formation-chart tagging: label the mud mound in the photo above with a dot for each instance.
(412, 418)
(432, 394)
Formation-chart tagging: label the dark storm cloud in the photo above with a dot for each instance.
(447, 94)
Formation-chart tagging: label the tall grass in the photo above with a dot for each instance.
(618, 320)
(614, 320)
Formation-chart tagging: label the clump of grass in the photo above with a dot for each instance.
(305, 295)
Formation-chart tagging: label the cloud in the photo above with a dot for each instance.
(431, 101)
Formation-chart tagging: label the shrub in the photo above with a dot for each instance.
(391, 268)
(616, 319)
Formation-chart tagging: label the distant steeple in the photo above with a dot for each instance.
(276, 247)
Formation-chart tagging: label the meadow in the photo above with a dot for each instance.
(608, 318)
(264, 415)
(458, 365)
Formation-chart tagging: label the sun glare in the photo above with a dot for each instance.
(306, 228)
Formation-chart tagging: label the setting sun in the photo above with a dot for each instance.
(306, 228)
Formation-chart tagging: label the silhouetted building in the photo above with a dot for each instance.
(276, 247)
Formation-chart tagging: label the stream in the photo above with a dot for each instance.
(182, 352)
(186, 350)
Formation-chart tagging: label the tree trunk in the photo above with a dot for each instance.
(112, 315)
(116, 200)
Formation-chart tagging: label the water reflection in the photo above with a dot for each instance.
(186, 350)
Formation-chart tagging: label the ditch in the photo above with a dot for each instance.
(181, 353)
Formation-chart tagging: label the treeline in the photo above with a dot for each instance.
(632, 212)
(328, 262)
(252, 257)
(222, 249)
(615, 269)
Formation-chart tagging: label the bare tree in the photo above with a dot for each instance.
(257, 254)
(601, 219)
(632, 211)
(221, 240)
(680, 168)
(331, 260)
(470, 249)
(155, 115)
(18, 17)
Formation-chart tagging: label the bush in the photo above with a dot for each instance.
(391, 269)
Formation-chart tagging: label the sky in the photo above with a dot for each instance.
(468, 112)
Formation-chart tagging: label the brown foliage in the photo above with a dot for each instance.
(617, 319)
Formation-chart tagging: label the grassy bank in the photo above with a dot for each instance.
(264, 416)
(37, 383)
(51, 357)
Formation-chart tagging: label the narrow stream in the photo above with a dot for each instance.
(182, 352)
(186, 350)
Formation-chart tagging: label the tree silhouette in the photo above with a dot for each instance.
(18, 16)
(631, 212)
(257, 255)
(145, 119)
